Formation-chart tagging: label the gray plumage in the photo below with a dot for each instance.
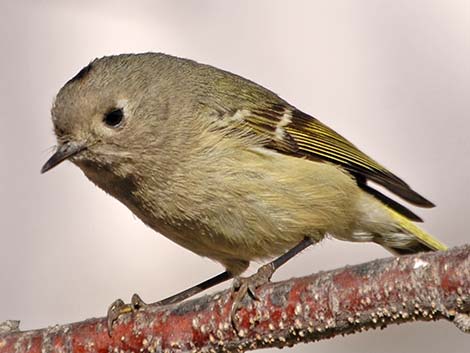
(221, 165)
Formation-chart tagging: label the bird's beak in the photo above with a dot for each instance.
(63, 152)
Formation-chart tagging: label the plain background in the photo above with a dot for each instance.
(392, 76)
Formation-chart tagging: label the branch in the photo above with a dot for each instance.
(424, 287)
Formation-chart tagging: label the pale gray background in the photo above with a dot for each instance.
(392, 76)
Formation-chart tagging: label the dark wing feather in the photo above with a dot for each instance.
(291, 131)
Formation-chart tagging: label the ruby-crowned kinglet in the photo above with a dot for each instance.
(223, 166)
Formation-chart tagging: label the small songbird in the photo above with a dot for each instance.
(223, 166)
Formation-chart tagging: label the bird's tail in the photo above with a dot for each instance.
(420, 240)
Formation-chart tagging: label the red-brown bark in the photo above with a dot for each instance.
(426, 287)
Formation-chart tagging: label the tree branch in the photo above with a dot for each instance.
(424, 287)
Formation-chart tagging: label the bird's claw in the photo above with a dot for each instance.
(118, 308)
(137, 302)
(248, 285)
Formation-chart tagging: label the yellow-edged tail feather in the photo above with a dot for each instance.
(425, 241)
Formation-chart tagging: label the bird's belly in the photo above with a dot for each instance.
(259, 213)
(254, 209)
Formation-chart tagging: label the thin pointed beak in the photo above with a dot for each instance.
(64, 152)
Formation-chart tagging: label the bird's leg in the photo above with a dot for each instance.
(118, 307)
(248, 285)
(198, 288)
(242, 286)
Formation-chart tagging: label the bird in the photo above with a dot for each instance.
(225, 167)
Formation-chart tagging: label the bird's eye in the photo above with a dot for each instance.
(114, 117)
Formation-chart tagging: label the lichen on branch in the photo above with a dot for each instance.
(428, 286)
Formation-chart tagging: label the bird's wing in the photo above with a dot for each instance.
(290, 131)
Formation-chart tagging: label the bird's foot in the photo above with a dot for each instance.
(118, 308)
(248, 285)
